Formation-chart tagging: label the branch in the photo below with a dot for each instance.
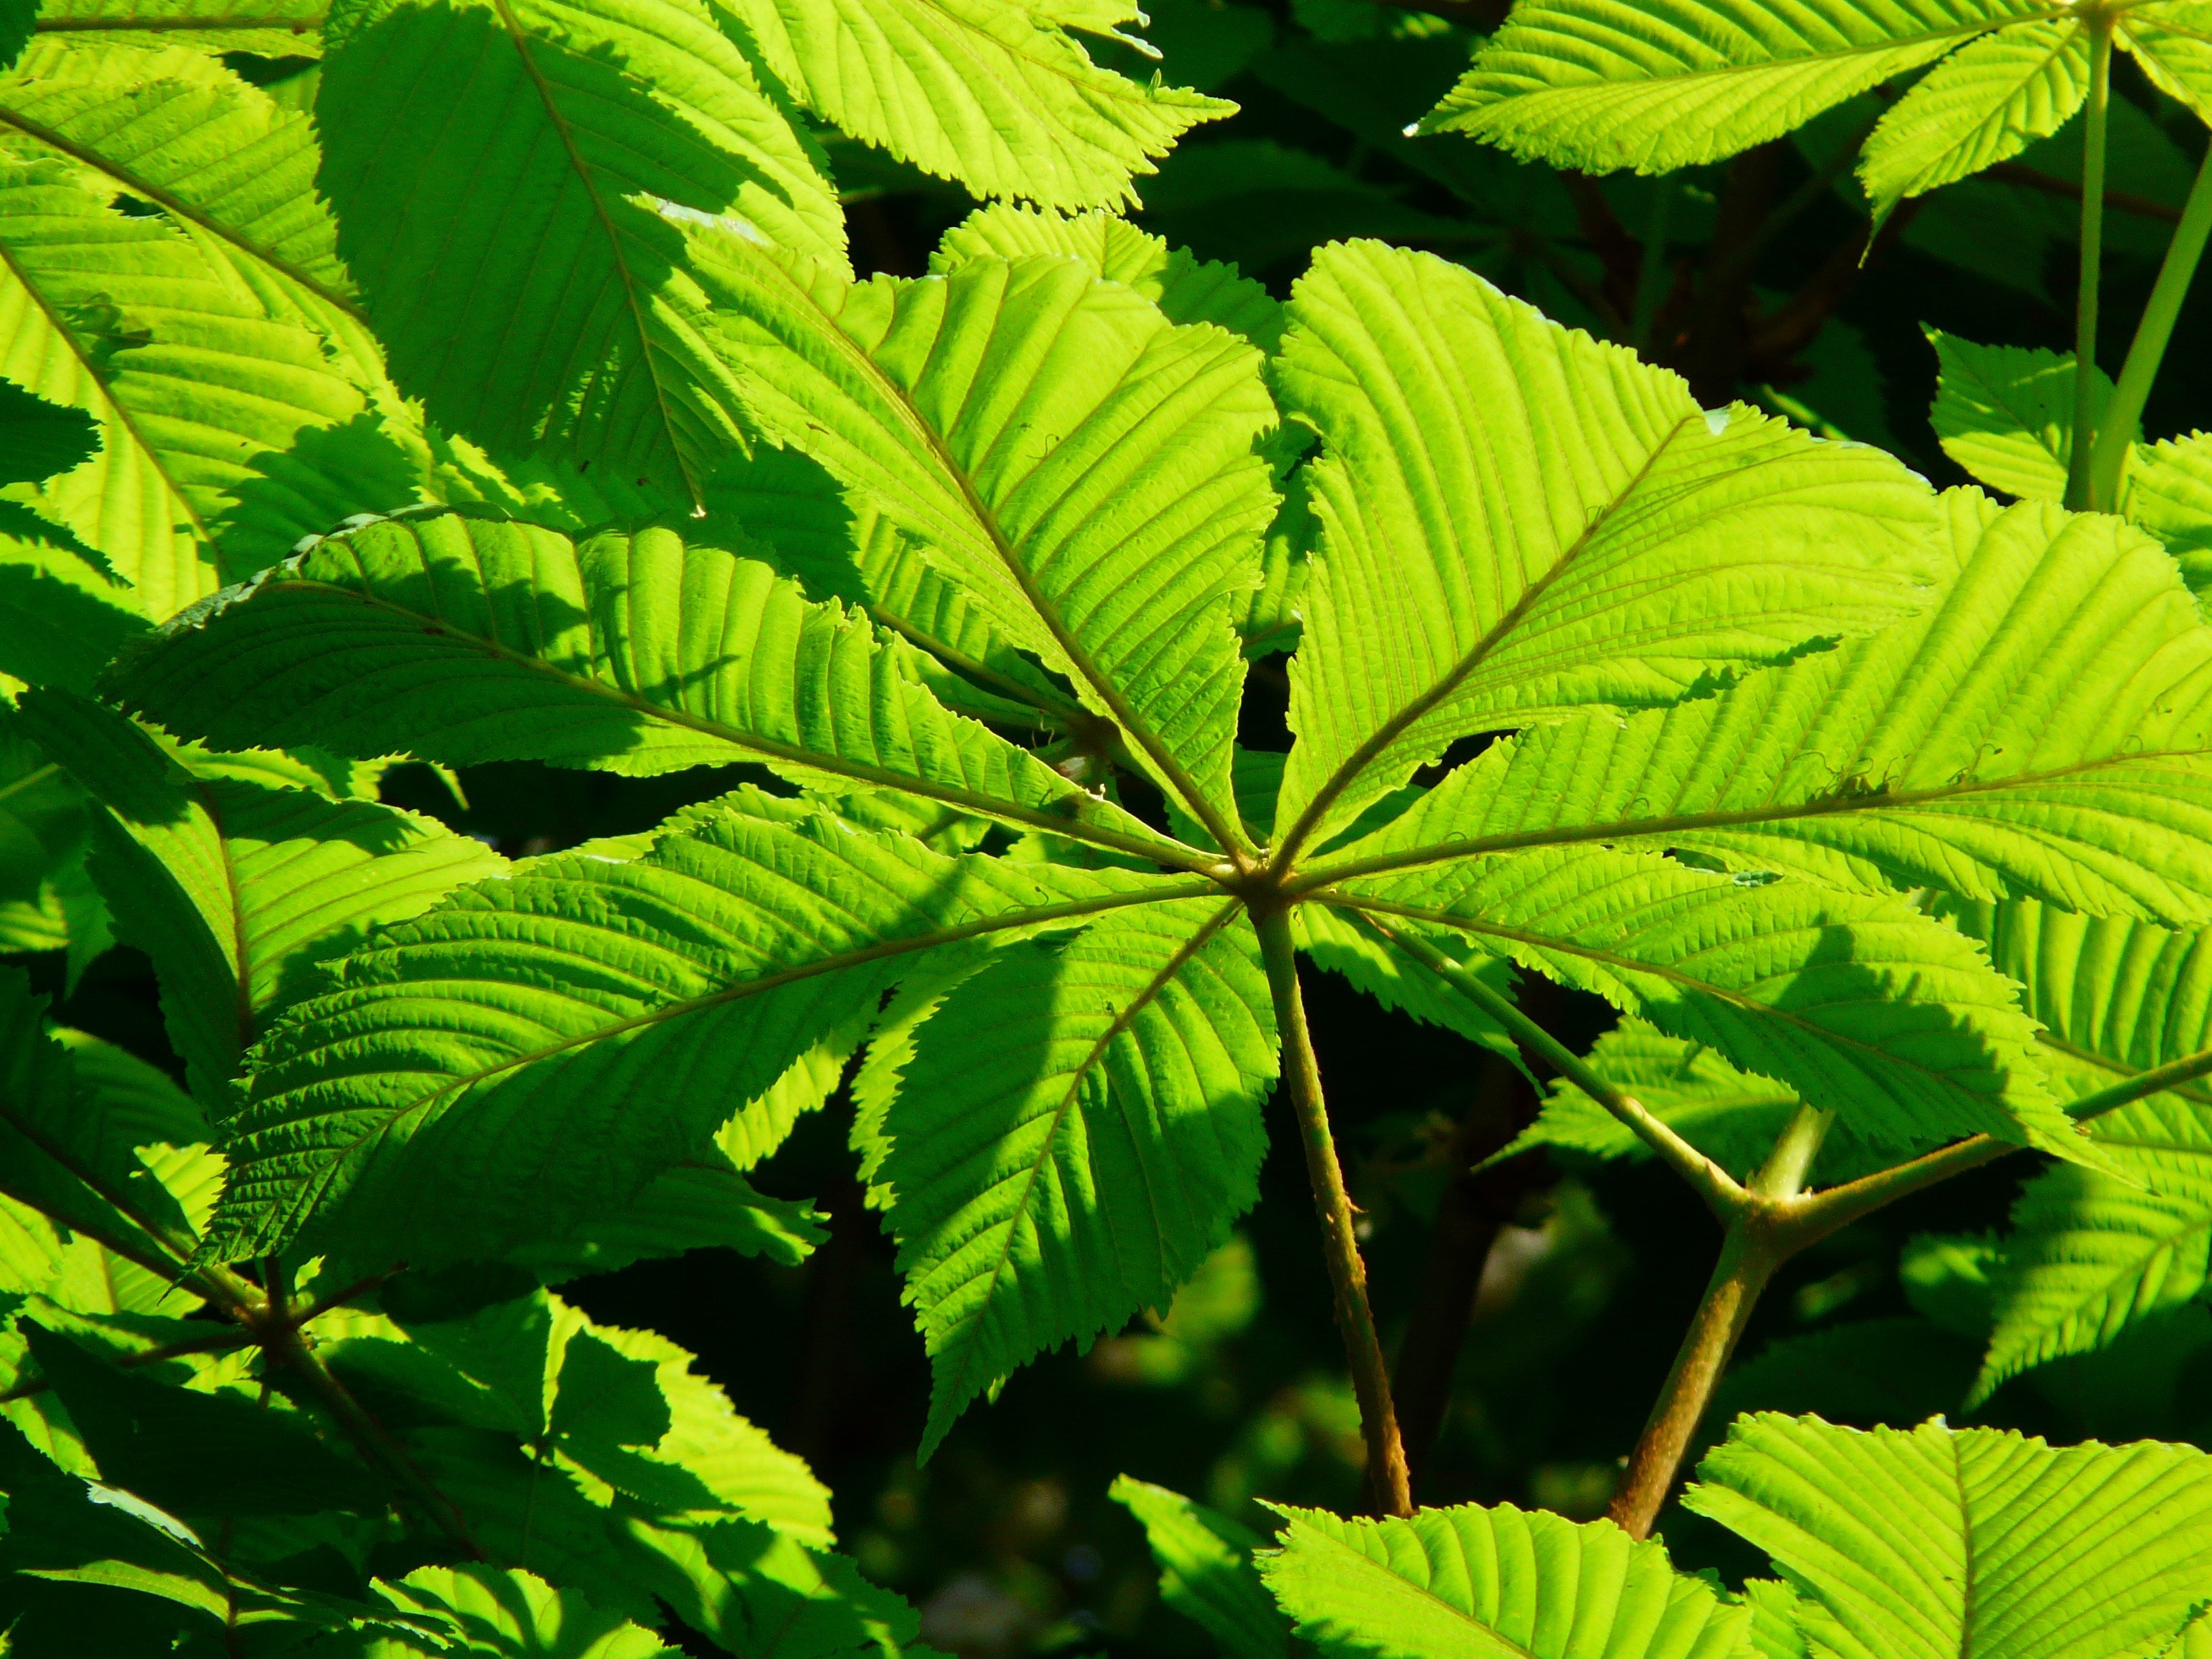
(1355, 1318)
(1748, 1258)
(1722, 1193)
(2019, 173)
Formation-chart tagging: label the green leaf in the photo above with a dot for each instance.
(237, 889)
(998, 96)
(620, 1411)
(1185, 289)
(1862, 1005)
(701, 1204)
(1341, 945)
(1070, 1134)
(16, 21)
(2006, 414)
(1207, 1570)
(839, 547)
(509, 1612)
(633, 653)
(195, 1453)
(2173, 42)
(1917, 1543)
(1499, 1581)
(1083, 468)
(381, 1109)
(175, 130)
(39, 439)
(275, 28)
(471, 146)
(2091, 1254)
(2169, 493)
(62, 1525)
(60, 616)
(763, 1595)
(68, 1154)
(1984, 104)
(1732, 1116)
(2044, 729)
(1660, 84)
(196, 387)
(1519, 521)
(43, 839)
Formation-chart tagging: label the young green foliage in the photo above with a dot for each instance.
(499, 391)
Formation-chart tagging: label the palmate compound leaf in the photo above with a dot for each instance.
(1208, 1571)
(1081, 467)
(997, 95)
(2090, 1254)
(1519, 522)
(2044, 729)
(1068, 1133)
(461, 637)
(1861, 1004)
(1933, 1542)
(541, 1048)
(1660, 84)
(1497, 1581)
(474, 149)
(235, 884)
(200, 394)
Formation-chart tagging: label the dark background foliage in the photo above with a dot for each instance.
(1580, 1278)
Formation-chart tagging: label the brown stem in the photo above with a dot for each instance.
(1370, 1378)
(2017, 173)
(1716, 341)
(1620, 253)
(1748, 1258)
(1791, 326)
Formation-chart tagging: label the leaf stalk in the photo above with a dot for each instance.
(2082, 444)
(1388, 1478)
(1750, 1253)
